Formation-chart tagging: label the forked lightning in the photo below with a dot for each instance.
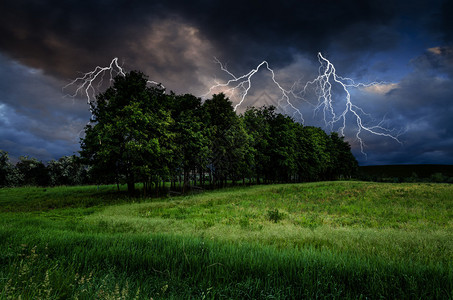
(322, 84)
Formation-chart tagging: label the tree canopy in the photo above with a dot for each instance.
(141, 134)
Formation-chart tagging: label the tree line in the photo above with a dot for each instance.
(28, 171)
(140, 134)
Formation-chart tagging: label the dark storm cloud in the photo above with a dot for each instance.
(55, 35)
(34, 117)
(422, 103)
(438, 60)
(446, 21)
(274, 29)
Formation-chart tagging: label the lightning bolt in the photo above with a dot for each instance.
(239, 86)
(242, 84)
(90, 83)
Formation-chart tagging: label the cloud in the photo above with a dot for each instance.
(435, 59)
(35, 116)
(422, 102)
(381, 88)
(446, 21)
(68, 36)
(181, 56)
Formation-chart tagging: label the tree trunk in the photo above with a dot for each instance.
(130, 186)
(186, 178)
(157, 186)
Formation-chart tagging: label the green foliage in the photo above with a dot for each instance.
(225, 135)
(286, 151)
(67, 170)
(8, 174)
(341, 158)
(32, 172)
(130, 135)
(191, 142)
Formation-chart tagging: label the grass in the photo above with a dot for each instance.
(42, 199)
(314, 240)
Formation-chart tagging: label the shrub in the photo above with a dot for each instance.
(274, 215)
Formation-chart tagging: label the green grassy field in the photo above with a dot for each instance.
(314, 240)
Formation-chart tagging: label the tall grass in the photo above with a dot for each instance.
(191, 266)
(330, 240)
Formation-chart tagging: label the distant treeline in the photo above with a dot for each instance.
(142, 134)
(407, 173)
(28, 171)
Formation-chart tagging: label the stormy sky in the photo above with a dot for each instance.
(406, 46)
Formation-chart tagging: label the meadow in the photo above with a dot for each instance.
(345, 239)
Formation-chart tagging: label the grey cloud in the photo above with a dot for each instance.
(68, 35)
(35, 118)
(422, 102)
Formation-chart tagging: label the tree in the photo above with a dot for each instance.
(315, 158)
(6, 169)
(239, 152)
(191, 141)
(32, 172)
(282, 148)
(67, 170)
(129, 133)
(258, 128)
(343, 163)
(220, 117)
